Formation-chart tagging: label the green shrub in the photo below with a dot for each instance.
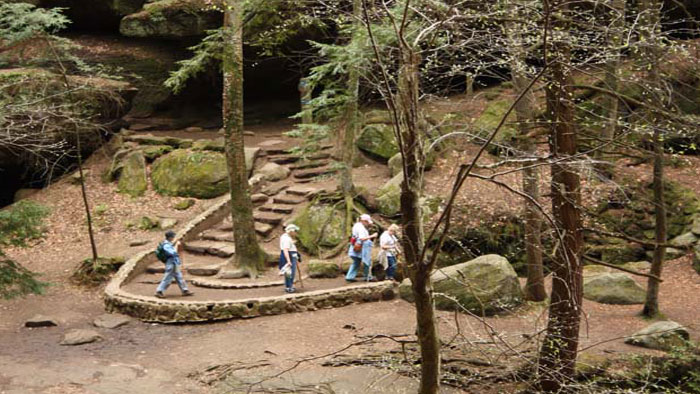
(22, 222)
(16, 280)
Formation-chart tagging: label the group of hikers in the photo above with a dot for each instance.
(359, 250)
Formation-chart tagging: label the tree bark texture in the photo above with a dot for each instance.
(525, 113)
(412, 220)
(560, 345)
(352, 126)
(649, 10)
(248, 254)
(610, 102)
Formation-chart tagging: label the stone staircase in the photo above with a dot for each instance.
(276, 204)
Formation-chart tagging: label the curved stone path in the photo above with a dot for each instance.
(208, 244)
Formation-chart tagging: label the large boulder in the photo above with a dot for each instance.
(487, 122)
(485, 285)
(274, 172)
(389, 196)
(171, 19)
(684, 241)
(133, 179)
(378, 141)
(613, 288)
(185, 173)
(323, 269)
(321, 225)
(396, 162)
(662, 335)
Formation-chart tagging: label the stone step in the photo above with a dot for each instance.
(303, 181)
(215, 248)
(204, 270)
(267, 218)
(275, 150)
(274, 189)
(263, 229)
(283, 209)
(156, 268)
(216, 235)
(309, 164)
(288, 199)
(288, 159)
(313, 172)
(303, 191)
(225, 225)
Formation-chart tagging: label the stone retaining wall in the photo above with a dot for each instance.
(151, 309)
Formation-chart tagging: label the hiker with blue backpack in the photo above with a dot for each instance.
(168, 254)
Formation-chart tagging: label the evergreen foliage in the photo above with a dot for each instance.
(21, 21)
(16, 281)
(22, 222)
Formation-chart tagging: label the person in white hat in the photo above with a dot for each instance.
(362, 253)
(289, 256)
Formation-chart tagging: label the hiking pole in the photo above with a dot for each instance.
(301, 282)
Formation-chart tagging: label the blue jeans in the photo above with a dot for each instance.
(289, 281)
(172, 271)
(352, 272)
(391, 269)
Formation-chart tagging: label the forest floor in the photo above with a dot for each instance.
(155, 358)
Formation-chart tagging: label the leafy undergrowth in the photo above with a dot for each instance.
(678, 371)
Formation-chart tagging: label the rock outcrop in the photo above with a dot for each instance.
(663, 335)
(185, 173)
(613, 288)
(485, 285)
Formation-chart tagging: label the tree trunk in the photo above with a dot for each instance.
(650, 19)
(525, 113)
(83, 192)
(352, 126)
(83, 189)
(612, 66)
(560, 345)
(248, 256)
(412, 220)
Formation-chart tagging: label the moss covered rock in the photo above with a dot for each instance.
(150, 139)
(378, 141)
(153, 152)
(396, 163)
(171, 19)
(487, 122)
(185, 173)
(613, 288)
(389, 196)
(216, 145)
(662, 335)
(133, 179)
(485, 285)
(323, 269)
(184, 205)
(321, 226)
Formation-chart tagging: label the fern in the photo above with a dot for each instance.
(16, 280)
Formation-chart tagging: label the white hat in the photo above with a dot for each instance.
(367, 218)
(291, 227)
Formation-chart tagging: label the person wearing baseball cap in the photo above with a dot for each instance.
(362, 253)
(289, 256)
(172, 262)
